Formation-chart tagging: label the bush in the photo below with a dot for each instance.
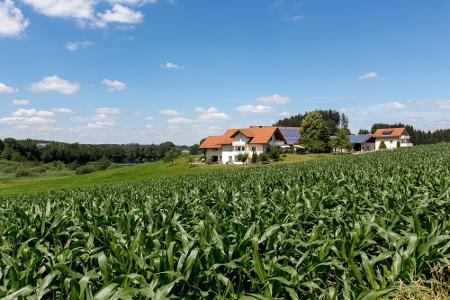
(263, 157)
(382, 145)
(242, 157)
(73, 166)
(398, 144)
(10, 169)
(102, 164)
(85, 170)
(39, 169)
(23, 173)
(274, 153)
(255, 158)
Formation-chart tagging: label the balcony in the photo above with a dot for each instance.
(238, 144)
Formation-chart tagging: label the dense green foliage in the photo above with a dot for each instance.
(31, 150)
(333, 118)
(314, 132)
(341, 140)
(340, 228)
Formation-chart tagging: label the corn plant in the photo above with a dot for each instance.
(351, 227)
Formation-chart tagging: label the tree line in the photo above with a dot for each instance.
(334, 120)
(42, 151)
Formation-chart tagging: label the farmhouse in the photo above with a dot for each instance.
(254, 140)
(392, 138)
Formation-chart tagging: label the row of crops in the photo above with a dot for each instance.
(350, 227)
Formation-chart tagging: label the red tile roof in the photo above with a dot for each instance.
(257, 135)
(388, 132)
(212, 142)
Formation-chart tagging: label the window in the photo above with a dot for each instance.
(391, 141)
(230, 158)
(254, 149)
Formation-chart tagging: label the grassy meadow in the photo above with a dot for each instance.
(351, 227)
(60, 176)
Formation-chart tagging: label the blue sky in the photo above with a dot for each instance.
(147, 71)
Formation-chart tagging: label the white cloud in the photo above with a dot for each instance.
(101, 124)
(108, 110)
(177, 121)
(294, 18)
(63, 110)
(12, 21)
(6, 89)
(214, 116)
(133, 2)
(149, 126)
(149, 118)
(200, 109)
(254, 109)
(55, 84)
(114, 85)
(78, 45)
(172, 66)
(211, 114)
(276, 99)
(369, 75)
(284, 114)
(442, 104)
(394, 106)
(23, 117)
(169, 112)
(21, 102)
(119, 14)
(77, 9)
(105, 117)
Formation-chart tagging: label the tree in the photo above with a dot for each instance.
(151, 153)
(363, 131)
(332, 117)
(398, 144)
(314, 132)
(190, 160)
(344, 121)
(242, 157)
(382, 146)
(343, 140)
(254, 157)
(194, 149)
(170, 156)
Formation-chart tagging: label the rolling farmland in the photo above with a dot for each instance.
(352, 227)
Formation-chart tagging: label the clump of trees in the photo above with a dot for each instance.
(315, 132)
(341, 141)
(333, 119)
(81, 154)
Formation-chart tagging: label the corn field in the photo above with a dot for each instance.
(350, 227)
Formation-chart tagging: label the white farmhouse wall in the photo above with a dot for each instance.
(390, 142)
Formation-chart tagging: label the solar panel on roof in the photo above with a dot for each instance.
(291, 135)
(359, 138)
